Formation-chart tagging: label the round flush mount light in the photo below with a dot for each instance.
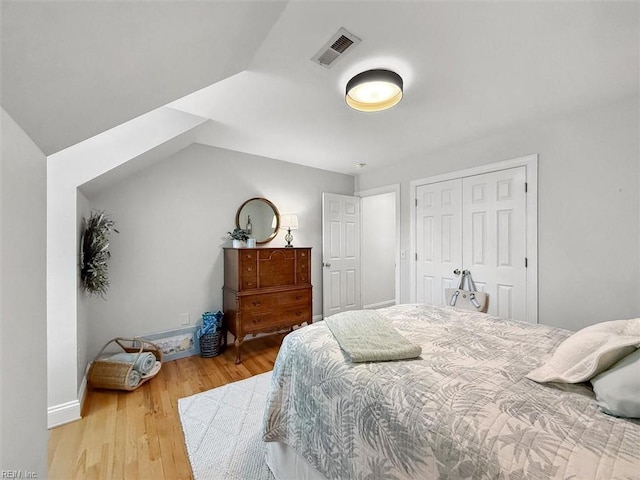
(374, 90)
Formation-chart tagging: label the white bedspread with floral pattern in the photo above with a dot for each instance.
(464, 409)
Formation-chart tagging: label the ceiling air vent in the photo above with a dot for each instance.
(335, 48)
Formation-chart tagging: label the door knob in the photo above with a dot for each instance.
(456, 271)
(326, 264)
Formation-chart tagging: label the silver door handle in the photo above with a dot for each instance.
(326, 264)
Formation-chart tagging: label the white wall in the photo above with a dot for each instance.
(378, 250)
(23, 327)
(83, 210)
(588, 206)
(143, 140)
(173, 218)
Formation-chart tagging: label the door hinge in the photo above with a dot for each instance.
(416, 200)
(526, 262)
(416, 256)
(526, 187)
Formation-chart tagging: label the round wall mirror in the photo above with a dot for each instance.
(260, 218)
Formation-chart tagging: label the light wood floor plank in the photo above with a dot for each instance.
(137, 435)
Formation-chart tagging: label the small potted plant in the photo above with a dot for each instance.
(237, 236)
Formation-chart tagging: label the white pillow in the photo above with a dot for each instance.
(589, 351)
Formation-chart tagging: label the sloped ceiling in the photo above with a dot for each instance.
(73, 69)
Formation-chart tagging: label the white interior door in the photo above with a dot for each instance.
(494, 239)
(438, 239)
(477, 223)
(340, 253)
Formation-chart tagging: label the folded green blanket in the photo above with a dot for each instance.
(367, 337)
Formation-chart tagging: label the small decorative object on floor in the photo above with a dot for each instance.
(212, 337)
(138, 362)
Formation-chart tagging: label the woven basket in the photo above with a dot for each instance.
(114, 375)
(212, 344)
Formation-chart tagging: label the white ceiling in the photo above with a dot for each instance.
(73, 69)
(469, 68)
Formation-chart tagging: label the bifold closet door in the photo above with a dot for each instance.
(477, 223)
(494, 239)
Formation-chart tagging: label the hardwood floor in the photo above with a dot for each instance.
(138, 435)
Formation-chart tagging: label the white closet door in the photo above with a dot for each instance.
(438, 239)
(494, 239)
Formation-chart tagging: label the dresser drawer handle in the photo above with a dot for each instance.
(249, 269)
(298, 314)
(249, 284)
(298, 297)
(256, 304)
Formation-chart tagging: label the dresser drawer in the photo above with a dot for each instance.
(256, 321)
(248, 269)
(303, 267)
(270, 300)
(303, 278)
(295, 316)
(259, 320)
(296, 297)
(248, 263)
(247, 255)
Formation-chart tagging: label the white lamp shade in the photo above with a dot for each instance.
(289, 221)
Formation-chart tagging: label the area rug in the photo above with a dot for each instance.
(223, 430)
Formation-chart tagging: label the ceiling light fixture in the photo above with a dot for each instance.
(374, 90)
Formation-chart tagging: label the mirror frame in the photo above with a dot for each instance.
(275, 212)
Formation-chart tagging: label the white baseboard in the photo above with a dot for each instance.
(70, 411)
(82, 391)
(316, 318)
(373, 306)
(63, 413)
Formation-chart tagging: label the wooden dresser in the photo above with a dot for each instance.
(265, 290)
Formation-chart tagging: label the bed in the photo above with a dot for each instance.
(463, 409)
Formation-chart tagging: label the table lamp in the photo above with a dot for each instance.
(288, 222)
